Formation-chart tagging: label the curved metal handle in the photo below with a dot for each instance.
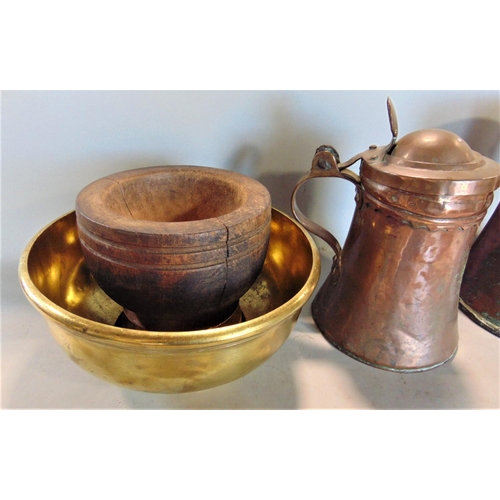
(326, 164)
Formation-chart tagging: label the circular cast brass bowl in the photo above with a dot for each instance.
(81, 317)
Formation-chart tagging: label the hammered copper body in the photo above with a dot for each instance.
(391, 299)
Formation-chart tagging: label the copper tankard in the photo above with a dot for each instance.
(391, 298)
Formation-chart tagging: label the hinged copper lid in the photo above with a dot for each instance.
(435, 162)
(427, 173)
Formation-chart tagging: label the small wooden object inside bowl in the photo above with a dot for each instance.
(175, 246)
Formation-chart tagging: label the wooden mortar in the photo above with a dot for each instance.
(175, 246)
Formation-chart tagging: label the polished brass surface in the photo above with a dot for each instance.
(391, 299)
(81, 317)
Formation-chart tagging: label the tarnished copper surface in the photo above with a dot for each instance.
(480, 290)
(391, 299)
(82, 318)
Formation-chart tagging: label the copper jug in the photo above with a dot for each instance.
(391, 298)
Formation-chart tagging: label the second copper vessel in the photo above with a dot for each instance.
(480, 290)
(391, 298)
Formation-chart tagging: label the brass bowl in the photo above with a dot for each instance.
(82, 318)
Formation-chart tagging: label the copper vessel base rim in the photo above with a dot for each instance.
(478, 318)
(384, 367)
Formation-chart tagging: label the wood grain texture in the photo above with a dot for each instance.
(177, 245)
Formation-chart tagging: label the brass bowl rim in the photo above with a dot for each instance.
(110, 334)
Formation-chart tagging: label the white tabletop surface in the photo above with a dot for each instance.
(305, 373)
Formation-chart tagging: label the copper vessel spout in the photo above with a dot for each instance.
(391, 298)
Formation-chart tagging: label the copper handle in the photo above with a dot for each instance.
(325, 164)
